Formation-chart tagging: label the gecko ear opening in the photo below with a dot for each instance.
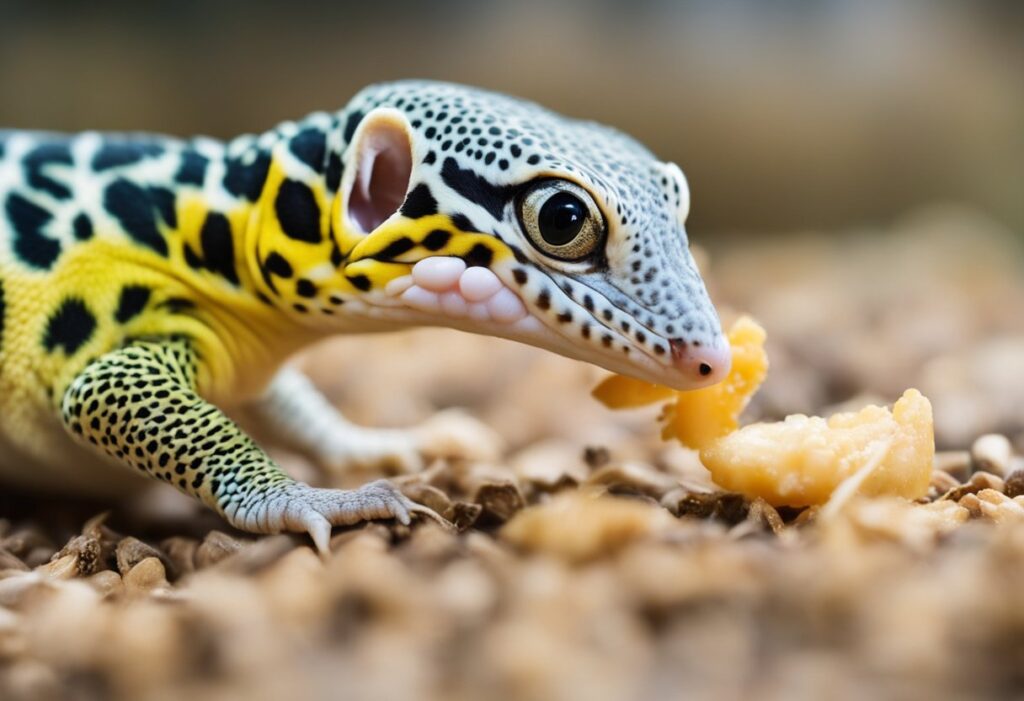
(383, 166)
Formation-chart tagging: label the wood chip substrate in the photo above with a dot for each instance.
(589, 559)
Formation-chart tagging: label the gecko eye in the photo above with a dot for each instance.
(561, 219)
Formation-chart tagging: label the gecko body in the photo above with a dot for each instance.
(147, 283)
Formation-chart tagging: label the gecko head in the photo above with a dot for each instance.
(493, 215)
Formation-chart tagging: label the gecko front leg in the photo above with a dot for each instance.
(303, 419)
(139, 405)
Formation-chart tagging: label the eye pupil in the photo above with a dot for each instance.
(561, 218)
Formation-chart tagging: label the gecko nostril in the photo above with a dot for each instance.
(701, 360)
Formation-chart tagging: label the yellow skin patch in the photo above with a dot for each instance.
(364, 256)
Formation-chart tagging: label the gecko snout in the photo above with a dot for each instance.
(704, 364)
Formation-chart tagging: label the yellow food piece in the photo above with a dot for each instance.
(621, 392)
(698, 417)
(800, 461)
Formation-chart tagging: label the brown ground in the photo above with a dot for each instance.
(661, 588)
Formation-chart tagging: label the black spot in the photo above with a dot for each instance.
(419, 203)
(177, 305)
(461, 222)
(544, 299)
(131, 303)
(83, 227)
(246, 180)
(333, 175)
(351, 123)
(395, 249)
(218, 246)
(309, 146)
(336, 256)
(305, 288)
(278, 265)
(40, 157)
(360, 282)
(132, 207)
(70, 327)
(479, 256)
(113, 154)
(193, 169)
(164, 201)
(520, 276)
(565, 317)
(430, 158)
(475, 188)
(519, 255)
(298, 212)
(31, 245)
(436, 240)
(192, 258)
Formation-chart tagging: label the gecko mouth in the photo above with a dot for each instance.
(476, 299)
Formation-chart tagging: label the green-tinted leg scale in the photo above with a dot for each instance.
(138, 404)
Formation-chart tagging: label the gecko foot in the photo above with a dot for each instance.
(302, 508)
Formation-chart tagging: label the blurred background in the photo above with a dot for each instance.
(785, 115)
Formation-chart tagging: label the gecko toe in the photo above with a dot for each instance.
(319, 529)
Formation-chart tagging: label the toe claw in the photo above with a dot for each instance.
(424, 511)
(316, 511)
(319, 529)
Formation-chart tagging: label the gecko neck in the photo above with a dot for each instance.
(292, 247)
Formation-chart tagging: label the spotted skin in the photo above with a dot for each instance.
(138, 405)
(146, 282)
